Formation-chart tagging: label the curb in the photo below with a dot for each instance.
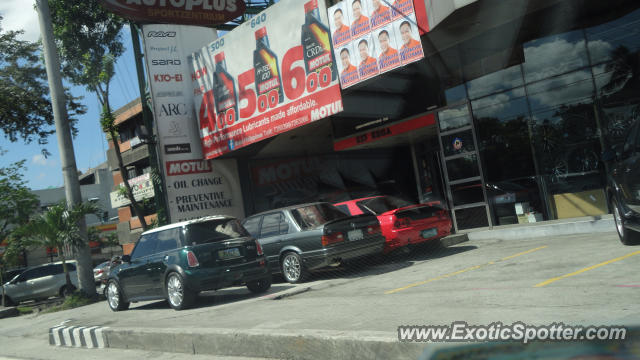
(588, 225)
(91, 337)
(304, 344)
(8, 312)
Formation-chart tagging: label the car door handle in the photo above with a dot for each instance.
(628, 169)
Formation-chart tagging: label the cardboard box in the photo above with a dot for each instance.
(585, 203)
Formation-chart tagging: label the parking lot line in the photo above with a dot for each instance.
(462, 271)
(549, 281)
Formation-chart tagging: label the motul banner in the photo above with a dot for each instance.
(268, 76)
(187, 12)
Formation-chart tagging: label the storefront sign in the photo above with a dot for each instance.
(384, 132)
(176, 124)
(268, 76)
(142, 188)
(200, 188)
(189, 12)
(371, 37)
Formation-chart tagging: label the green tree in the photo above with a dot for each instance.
(25, 106)
(89, 43)
(56, 228)
(17, 204)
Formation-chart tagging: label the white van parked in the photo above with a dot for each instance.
(40, 282)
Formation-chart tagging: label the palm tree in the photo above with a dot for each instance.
(57, 228)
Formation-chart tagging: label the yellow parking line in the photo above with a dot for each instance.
(461, 271)
(547, 282)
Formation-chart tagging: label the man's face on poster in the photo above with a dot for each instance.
(376, 4)
(344, 57)
(357, 10)
(338, 19)
(405, 32)
(364, 50)
(383, 38)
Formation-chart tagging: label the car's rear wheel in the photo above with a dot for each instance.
(259, 286)
(115, 298)
(626, 236)
(178, 295)
(65, 291)
(292, 268)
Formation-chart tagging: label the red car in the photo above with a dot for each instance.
(402, 223)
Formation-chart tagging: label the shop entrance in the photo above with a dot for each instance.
(464, 184)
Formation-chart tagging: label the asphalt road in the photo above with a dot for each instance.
(578, 280)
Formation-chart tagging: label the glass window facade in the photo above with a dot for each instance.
(542, 125)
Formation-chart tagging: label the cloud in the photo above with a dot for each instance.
(39, 159)
(20, 15)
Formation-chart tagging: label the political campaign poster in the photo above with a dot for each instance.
(384, 36)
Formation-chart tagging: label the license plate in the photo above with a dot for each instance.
(229, 253)
(354, 235)
(429, 233)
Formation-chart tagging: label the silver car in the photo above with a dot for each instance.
(40, 282)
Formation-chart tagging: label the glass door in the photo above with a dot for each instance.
(464, 181)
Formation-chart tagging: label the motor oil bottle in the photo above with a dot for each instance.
(316, 42)
(224, 92)
(265, 65)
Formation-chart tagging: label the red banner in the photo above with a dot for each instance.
(384, 132)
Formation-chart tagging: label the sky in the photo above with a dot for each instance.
(90, 145)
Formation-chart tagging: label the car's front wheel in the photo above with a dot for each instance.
(259, 286)
(292, 268)
(178, 295)
(626, 236)
(115, 298)
(67, 290)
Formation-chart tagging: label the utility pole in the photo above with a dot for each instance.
(147, 117)
(65, 144)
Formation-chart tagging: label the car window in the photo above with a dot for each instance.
(343, 208)
(167, 240)
(312, 216)
(31, 274)
(214, 231)
(70, 267)
(270, 225)
(252, 225)
(284, 225)
(145, 246)
(382, 204)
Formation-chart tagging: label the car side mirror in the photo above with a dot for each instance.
(126, 258)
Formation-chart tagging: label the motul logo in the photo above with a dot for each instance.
(186, 167)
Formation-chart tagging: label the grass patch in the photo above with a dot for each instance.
(74, 300)
(24, 310)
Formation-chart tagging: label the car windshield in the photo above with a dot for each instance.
(312, 216)
(382, 204)
(214, 231)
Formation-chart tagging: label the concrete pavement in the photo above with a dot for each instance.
(355, 312)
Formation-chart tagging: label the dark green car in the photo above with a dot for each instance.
(177, 261)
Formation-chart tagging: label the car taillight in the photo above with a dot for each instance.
(98, 272)
(442, 214)
(401, 223)
(332, 238)
(192, 260)
(259, 249)
(373, 229)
